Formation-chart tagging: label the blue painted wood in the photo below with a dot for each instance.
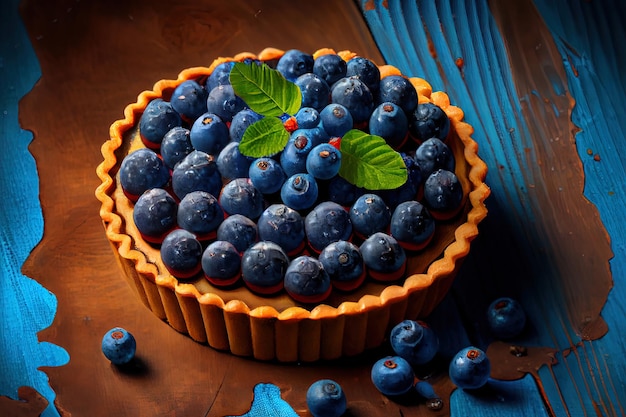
(30, 307)
(424, 39)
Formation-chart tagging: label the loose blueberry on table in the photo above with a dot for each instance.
(326, 398)
(506, 318)
(392, 376)
(414, 341)
(470, 368)
(119, 346)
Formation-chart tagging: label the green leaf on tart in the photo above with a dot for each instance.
(368, 162)
(265, 90)
(265, 137)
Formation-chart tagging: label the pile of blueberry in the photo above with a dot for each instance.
(289, 220)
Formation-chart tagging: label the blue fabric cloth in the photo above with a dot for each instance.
(267, 402)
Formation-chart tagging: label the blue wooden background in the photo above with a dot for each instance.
(590, 377)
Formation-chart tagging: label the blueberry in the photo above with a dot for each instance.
(241, 197)
(408, 190)
(293, 156)
(432, 155)
(220, 75)
(223, 102)
(238, 230)
(324, 161)
(233, 164)
(398, 90)
(299, 191)
(157, 119)
(267, 175)
(263, 267)
(181, 253)
(366, 71)
(328, 222)
(412, 225)
(414, 341)
(307, 118)
(389, 121)
(443, 193)
(119, 346)
(200, 213)
(343, 192)
(330, 67)
(221, 263)
(392, 376)
(315, 91)
(209, 134)
(384, 257)
(369, 214)
(428, 121)
(506, 318)
(470, 368)
(155, 214)
(294, 63)
(176, 146)
(284, 226)
(141, 170)
(325, 398)
(336, 119)
(196, 172)
(343, 262)
(306, 280)
(240, 123)
(189, 100)
(354, 95)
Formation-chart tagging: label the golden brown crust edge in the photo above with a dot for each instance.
(295, 334)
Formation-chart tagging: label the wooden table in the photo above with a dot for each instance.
(543, 85)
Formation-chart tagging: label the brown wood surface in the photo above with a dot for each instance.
(95, 58)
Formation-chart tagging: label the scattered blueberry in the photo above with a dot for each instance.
(142, 170)
(414, 341)
(155, 214)
(263, 267)
(325, 398)
(470, 368)
(181, 253)
(119, 346)
(506, 318)
(392, 376)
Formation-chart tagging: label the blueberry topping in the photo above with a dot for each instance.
(241, 197)
(239, 230)
(328, 222)
(398, 90)
(141, 170)
(176, 146)
(429, 121)
(196, 172)
(209, 133)
(263, 267)
(181, 253)
(369, 214)
(200, 214)
(157, 119)
(221, 263)
(282, 225)
(189, 100)
(155, 214)
(306, 280)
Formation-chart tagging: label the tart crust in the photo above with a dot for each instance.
(278, 328)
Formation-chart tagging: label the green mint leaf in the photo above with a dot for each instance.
(265, 90)
(265, 137)
(367, 161)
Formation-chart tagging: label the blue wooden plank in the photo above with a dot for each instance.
(29, 305)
